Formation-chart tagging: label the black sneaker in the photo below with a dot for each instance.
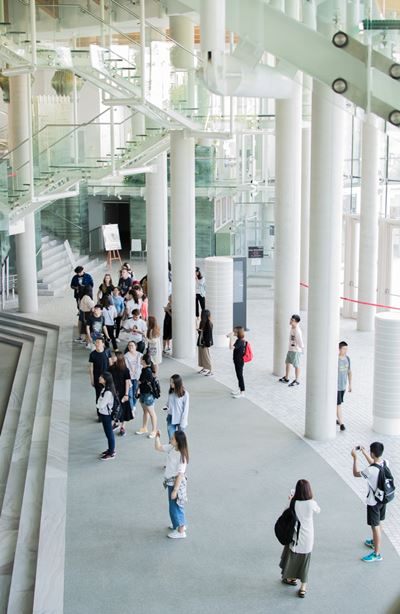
(337, 422)
(342, 427)
(108, 456)
(294, 383)
(283, 379)
(115, 426)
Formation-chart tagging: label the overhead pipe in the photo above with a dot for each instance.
(227, 75)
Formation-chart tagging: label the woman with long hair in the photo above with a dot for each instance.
(296, 557)
(177, 406)
(122, 382)
(104, 406)
(106, 287)
(133, 362)
(154, 341)
(175, 480)
(204, 342)
(167, 328)
(146, 397)
(239, 348)
(200, 292)
(109, 314)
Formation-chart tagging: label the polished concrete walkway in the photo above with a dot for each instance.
(243, 465)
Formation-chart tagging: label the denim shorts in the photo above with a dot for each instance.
(147, 399)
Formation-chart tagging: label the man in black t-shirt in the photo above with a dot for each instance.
(99, 362)
(125, 282)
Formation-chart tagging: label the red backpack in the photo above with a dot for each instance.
(248, 353)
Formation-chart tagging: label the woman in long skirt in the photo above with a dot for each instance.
(122, 382)
(296, 557)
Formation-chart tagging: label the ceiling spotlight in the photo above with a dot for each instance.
(394, 71)
(339, 86)
(394, 117)
(340, 39)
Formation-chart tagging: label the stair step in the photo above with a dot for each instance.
(45, 292)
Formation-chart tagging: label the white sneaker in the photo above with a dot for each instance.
(176, 535)
(239, 395)
(235, 392)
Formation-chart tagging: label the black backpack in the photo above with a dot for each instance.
(155, 388)
(285, 527)
(385, 488)
(116, 409)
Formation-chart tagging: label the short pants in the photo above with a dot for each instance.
(340, 397)
(376, 514)
(293, 358)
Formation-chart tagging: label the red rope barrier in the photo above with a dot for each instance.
(353, 300)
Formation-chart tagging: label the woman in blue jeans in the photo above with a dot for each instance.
(104, 406)
(177, 405)
(175, 480)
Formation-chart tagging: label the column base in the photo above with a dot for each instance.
(386, 426)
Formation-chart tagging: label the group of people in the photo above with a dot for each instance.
(121, 377)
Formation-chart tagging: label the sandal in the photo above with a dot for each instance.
(301, 593)
(283, 379)
(289, 582)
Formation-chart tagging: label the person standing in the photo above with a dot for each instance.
(79, 280)
(344, 375)
(125, 281)
(239, 348)
(122, 382)
(296, 347)
(119, 305)
(175, 480)
(376, 509)
(154, 342)
(204, 342)
(167, 328)
(95, 326)
(133, 360)
(86, 305)
(136, 330)
(99, 362)
(147, 398)
(296, 557)
(104, 406)
(109, 314)
(200, 292)
(177, 406)
(106, 287)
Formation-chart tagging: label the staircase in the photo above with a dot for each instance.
(33, 467)
(54, 278)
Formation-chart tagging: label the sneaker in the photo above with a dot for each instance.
(283, 379)
(141, 432)
(78, 340)
(152, 435)
(103, 453)
(210, 374)
(170, 528)
(342, 427)
(294, 383)
(122, 431)
(201, 372)
(337, 422)
(235, 392)
(108, 456)
(115, 426)
(369, 543)
(238, 395)
(176, 535)
(372, 558)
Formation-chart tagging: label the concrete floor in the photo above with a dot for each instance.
(243, 465)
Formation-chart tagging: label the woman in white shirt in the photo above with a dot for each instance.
(154, 342)
(109, 315)
(177, 406)
(133, 362)
(104, 405)
(200, 292)
(175, 480)
(296, 557)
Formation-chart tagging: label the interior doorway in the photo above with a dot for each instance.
(118, 212)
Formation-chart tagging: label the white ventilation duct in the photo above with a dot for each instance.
(232, 75)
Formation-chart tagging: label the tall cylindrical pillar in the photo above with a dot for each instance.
(305, 214)
(157, 237)
(182, 31)
(219, 276)
(19, 124)
(327, 148)
(183, 244)
(212, 24)
(368, 254)
(287, 220)
(386, 403)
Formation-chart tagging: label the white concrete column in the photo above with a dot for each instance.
(183, 241)
(212, 24)
(287, 219)
(327, 155)
(19, 130)
(369, 230)
(182, 31)
(219, 279)
(157, 237)
(386, 403)
(305, 214)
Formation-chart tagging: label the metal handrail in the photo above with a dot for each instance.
(61, 217)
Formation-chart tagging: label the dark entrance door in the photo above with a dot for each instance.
(118, 212)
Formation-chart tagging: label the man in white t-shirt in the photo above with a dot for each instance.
(375, 509)
(136, 329)
(295, 349)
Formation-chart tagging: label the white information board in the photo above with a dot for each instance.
(111, 237)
